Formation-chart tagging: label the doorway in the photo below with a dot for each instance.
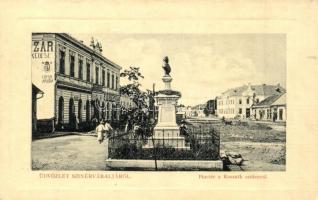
(248, 112)
(72, 120)
(280, 114)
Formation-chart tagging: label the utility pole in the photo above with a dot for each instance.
(153, 103)
(154, 115)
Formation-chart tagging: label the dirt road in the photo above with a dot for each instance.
(68, 153)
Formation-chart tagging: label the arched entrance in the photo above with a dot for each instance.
(60, 111)
(72, 120)
(88, 111)
(80, 110)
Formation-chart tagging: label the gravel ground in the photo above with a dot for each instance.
(68, 153)
(262, 145)
(258, 156)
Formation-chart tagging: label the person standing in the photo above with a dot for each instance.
(100, 129)
(108, 128)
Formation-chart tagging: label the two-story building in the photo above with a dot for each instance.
(78, 82)
(237, 102)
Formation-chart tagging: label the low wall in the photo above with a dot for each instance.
(208, 165)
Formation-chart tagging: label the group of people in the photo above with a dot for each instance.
(103, 130)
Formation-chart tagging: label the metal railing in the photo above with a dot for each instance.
(202, 143)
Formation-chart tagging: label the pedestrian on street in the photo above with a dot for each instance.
(108, 128)
(100, 129)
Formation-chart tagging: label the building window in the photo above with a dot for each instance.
(117, 83)
(240, 101)
(108, 79)
(112, 81)
(240, 110)
(103, 77)
(247, 101)
(80, 69)
(97, 75)
(88, 72)
(72, 66)
(62, 62)
(280, 112)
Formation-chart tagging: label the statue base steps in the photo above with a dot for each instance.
(167, 137)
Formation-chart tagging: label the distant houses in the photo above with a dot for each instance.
(198, 111)
(191, 111)
(272, 108)
(247, 101)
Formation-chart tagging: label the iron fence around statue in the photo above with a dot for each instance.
(203, 144)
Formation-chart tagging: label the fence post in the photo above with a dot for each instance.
(154, 151)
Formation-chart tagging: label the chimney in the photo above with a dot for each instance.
(278, 88)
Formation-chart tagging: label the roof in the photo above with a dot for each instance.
(272, 100)
(261, 90)
(280, 101)
(36, 89)
(203, 105)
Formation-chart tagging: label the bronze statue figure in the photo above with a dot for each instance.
(166, 66)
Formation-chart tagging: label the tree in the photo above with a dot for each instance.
(137, 118)
(206, 111)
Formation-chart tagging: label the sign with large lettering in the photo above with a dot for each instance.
(43, 75)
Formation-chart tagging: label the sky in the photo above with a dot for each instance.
(202, 65)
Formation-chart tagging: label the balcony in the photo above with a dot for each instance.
(72, 81)
(97, 88)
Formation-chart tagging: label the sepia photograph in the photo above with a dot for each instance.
(159, 99)
(158, 102)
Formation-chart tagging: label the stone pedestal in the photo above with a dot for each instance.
(167, 80)
(166, 132)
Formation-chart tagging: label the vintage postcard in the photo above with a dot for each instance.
(161, 98)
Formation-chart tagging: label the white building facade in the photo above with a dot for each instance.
(237, 102)
(79, 83)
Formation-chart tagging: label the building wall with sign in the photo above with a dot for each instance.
(85, 83)
(43, 72)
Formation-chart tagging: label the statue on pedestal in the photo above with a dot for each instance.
(166, 66)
